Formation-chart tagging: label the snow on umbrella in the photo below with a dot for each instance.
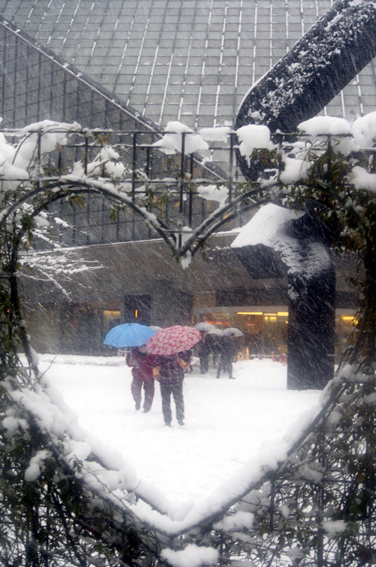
(215, 331)
(233, 331)
(173, 339)
(204, 327)
(128, 335)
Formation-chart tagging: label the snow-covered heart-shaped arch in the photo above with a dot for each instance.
(105, 502)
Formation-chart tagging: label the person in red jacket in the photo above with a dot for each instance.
(142, 372)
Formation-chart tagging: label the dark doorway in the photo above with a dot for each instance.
(137, 309)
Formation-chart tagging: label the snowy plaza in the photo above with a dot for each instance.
(229, 423)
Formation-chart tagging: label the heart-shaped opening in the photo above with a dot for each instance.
(233, 427)
(232, 453)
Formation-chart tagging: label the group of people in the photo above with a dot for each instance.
(169, 372)
(223, 349)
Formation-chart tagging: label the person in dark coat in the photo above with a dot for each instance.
(203, 349)
(229, 349)
(169, 372)
(142, 372)
(215, 348)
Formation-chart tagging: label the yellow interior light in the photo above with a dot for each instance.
(111, 314)
(347, 317)
(270, 314)
(136, 313)
(249, 313)
(282, 313)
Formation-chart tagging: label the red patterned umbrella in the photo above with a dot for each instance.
(173, 339)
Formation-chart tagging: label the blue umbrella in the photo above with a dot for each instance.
(128, 335)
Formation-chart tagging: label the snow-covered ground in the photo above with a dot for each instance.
(227, 421)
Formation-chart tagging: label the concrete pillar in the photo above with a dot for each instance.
(301, 251)
(311, 331)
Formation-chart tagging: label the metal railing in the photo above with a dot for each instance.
(182, 189)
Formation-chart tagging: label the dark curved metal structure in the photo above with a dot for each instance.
(313, 72)
(297, 88)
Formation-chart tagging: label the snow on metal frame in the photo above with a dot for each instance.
(309, 76)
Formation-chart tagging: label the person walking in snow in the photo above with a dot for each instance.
(229, 349)
(169, 372)
(203, 349)
(142, 373)
(215, 349)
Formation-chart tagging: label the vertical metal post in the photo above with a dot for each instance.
(181, 188)
(39, 97)
(181, 180)
(64, 98)
(148, 149)
(149, 171)
(190, 211)
(39, 157)
(86, 154)
(86, 160)
(134, 164)
(151, 164)
(231, 165)
(16, 59)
